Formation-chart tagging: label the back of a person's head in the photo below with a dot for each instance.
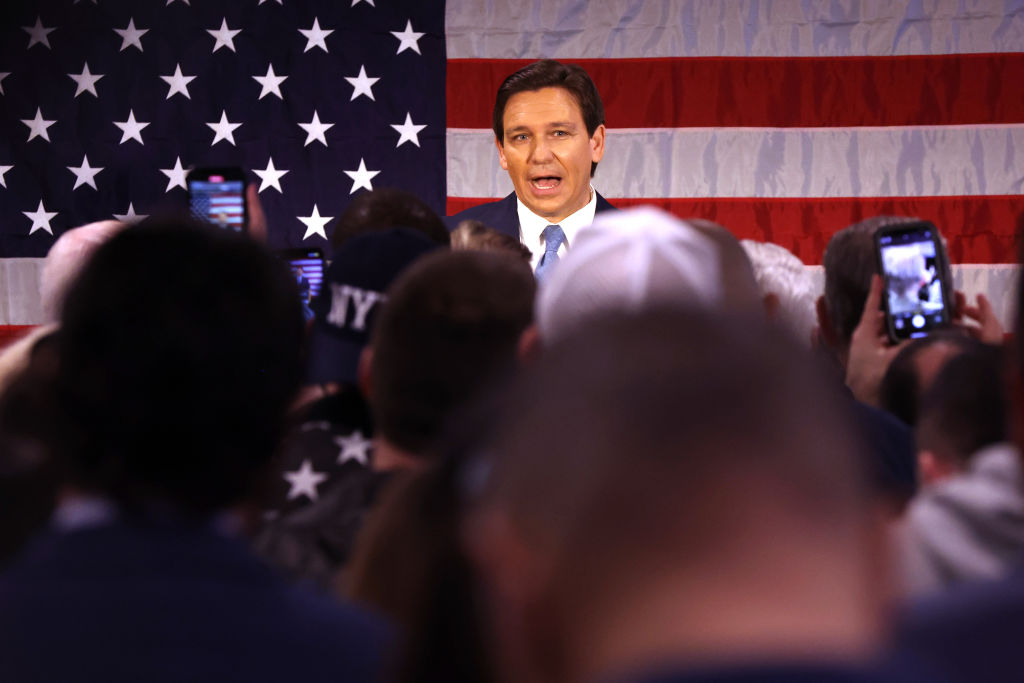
(473, 235)
(965, 408)
(671, 446)
(915, 367)
(386, 208)
(178, 354)
(781, 274)
(849, 263)
(66, 258)
(692, 391)
(451, 325)
(630, 261)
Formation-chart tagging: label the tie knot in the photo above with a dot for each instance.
(553, 238)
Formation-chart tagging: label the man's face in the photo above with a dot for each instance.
(547, 151)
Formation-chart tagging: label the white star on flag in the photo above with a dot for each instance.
(38, 33)
(3, 75)
(224, 129)
(178, 82)
(270, 177)
(315, 130)
(132, 129)
(131, 216)
(37, 126)
(361, 177)
(84, 175)
(175, 176)
(361, 84)
(316, 36)
(224, 35)
(40, 218)
(131, 35)
(3, 172)
(271, 83)
(315, 223)
(409, 39)
(304, 481)
(86, 81)
(355, 446)
(408, 131)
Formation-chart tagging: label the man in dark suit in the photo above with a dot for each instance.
(162, 400)
(549, 130)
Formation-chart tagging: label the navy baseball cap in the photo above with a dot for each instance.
(354, 290)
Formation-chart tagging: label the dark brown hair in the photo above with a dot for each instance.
(547, 73)
(451, 324)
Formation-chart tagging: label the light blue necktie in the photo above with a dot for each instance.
(553, 238)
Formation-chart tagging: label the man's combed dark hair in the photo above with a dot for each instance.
(547, 73)
(178, 355)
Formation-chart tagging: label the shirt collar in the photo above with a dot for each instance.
(531, 226)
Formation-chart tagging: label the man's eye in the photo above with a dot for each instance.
(520, 137)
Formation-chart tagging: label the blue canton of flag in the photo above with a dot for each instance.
(107, 103)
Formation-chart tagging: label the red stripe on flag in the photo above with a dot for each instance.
(804, 225)
(773, 92)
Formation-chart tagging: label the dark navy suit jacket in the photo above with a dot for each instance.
(124, 602)
(503, 215)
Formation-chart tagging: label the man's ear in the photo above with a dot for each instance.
(931, 468)
(826, 331)
(501, 153)
(597, 144)
(364, 372)
(529, 347)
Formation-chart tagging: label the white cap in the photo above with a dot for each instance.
(628, 261)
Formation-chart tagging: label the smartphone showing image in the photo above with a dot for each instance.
(918, 296)
(217, 195)
(307, 265)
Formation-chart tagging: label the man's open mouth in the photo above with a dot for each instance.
(546, 182)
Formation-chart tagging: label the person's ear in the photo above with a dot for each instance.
(931, 468)
(529, 347)
(597, 144)
(826, 331)
(501, 153)
(364, 372)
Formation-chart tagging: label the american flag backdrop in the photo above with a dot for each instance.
(784, 120)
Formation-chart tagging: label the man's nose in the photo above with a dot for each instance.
(541, 151)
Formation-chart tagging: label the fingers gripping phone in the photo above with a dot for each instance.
(918, 295)
(217, 195)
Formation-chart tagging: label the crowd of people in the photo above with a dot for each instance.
(542, 440)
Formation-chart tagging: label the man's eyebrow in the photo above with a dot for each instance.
(561, 124)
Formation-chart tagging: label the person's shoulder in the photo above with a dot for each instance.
(971, 632)
(603, 204)
(502, 215)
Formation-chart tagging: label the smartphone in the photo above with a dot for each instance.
(307, 265)
(918, 294)
(217, 195)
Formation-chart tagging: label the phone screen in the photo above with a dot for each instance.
(307, 266)
(915, 295)
(219, 200)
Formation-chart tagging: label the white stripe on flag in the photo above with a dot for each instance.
(579, 29)
(917, 161)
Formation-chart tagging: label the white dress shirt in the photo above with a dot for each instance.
(531, 227)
